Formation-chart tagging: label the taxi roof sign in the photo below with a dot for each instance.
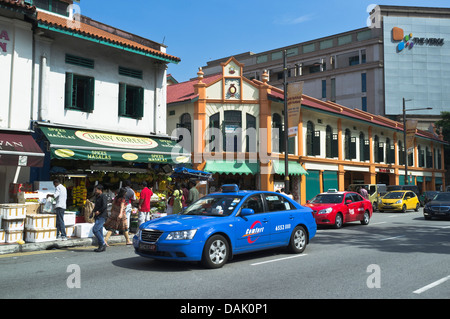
(230, 188)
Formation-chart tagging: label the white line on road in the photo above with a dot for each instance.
(392, 237)
(378, 223)
(432, 285)
(279, 259)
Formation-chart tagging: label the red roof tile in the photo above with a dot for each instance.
(184, 91)
(18, 4)
(93, 32)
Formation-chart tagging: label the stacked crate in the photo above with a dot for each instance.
(40, 228)
(12, 221)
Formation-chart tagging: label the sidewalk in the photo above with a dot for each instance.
(57, 244)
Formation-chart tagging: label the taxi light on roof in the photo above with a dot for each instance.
(230, 188)
(332, 190)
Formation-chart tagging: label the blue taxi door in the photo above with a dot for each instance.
(283, 215)
(253, 231)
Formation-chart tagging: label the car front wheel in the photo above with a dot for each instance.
(298, 241)
(338, 221)
(366, 218)
(215, 252)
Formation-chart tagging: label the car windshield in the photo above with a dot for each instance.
(394, 195)
(327, 198)
(442, 197)
(213, 205)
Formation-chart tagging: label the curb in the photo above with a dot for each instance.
(56, 244)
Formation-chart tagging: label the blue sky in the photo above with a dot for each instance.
(198, 31)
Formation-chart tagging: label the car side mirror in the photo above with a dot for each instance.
(348, 201)
(247, 212)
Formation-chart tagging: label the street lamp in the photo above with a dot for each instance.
(405, 154)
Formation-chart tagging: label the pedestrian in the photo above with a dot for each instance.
(118, 219)
(100, 213)
(185, 194)
(363, 192)
(170, 201)
(60, 196)
(144, 204)
(193, 193)
(177, 201)
(130, 197)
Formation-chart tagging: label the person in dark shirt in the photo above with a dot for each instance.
(100, 214)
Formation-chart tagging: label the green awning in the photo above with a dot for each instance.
(69, 143)
(232, 167)
(294, 168)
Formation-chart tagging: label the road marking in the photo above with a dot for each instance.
(378, 223)
(279, 259)
(432, 285)
(392, 238)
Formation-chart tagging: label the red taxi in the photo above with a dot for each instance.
(336, 208)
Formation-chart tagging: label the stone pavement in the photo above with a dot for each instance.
(57, 244)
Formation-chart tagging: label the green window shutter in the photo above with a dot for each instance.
(90, 95)
(352, 147)
(68, 100)
(335, 146)
(140, 103)
(122, 99)
(366, 150)
(316, 143)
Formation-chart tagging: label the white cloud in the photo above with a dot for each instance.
(289, 20)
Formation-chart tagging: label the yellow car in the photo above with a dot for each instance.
(399, 200)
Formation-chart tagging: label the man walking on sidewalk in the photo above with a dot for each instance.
(100, 213)
(60, 196)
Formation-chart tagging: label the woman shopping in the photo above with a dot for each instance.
(118, 218)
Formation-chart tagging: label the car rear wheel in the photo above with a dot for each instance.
(215, 252)
(338, 221)
(298, 241)
(366, 218)
(417, 207)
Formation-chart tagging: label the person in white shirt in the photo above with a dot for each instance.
(60, 196)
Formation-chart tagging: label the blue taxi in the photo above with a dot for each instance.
(221, 225)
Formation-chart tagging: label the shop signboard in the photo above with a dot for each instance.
(69, 143)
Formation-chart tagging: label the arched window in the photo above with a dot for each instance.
(277, 133)
(376, 145)
(232, 134)
(362, 154)
(390, 152)
(185, 122)
(347, 140)
(421, 154)
(309, 138)
(401, 153)
(250, 140)
(328, 141)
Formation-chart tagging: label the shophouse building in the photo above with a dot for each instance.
(92, 96)
(336, 145)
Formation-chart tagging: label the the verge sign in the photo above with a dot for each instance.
(408, 41)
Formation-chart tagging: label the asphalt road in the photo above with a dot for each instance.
(395, 256)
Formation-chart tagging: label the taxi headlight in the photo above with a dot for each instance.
(180, 235)
(398, 202)
(326, 210)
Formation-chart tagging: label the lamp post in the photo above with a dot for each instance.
(405, 155)
(286, 136)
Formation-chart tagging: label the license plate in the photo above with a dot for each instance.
(148, 247)
(387, 206)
